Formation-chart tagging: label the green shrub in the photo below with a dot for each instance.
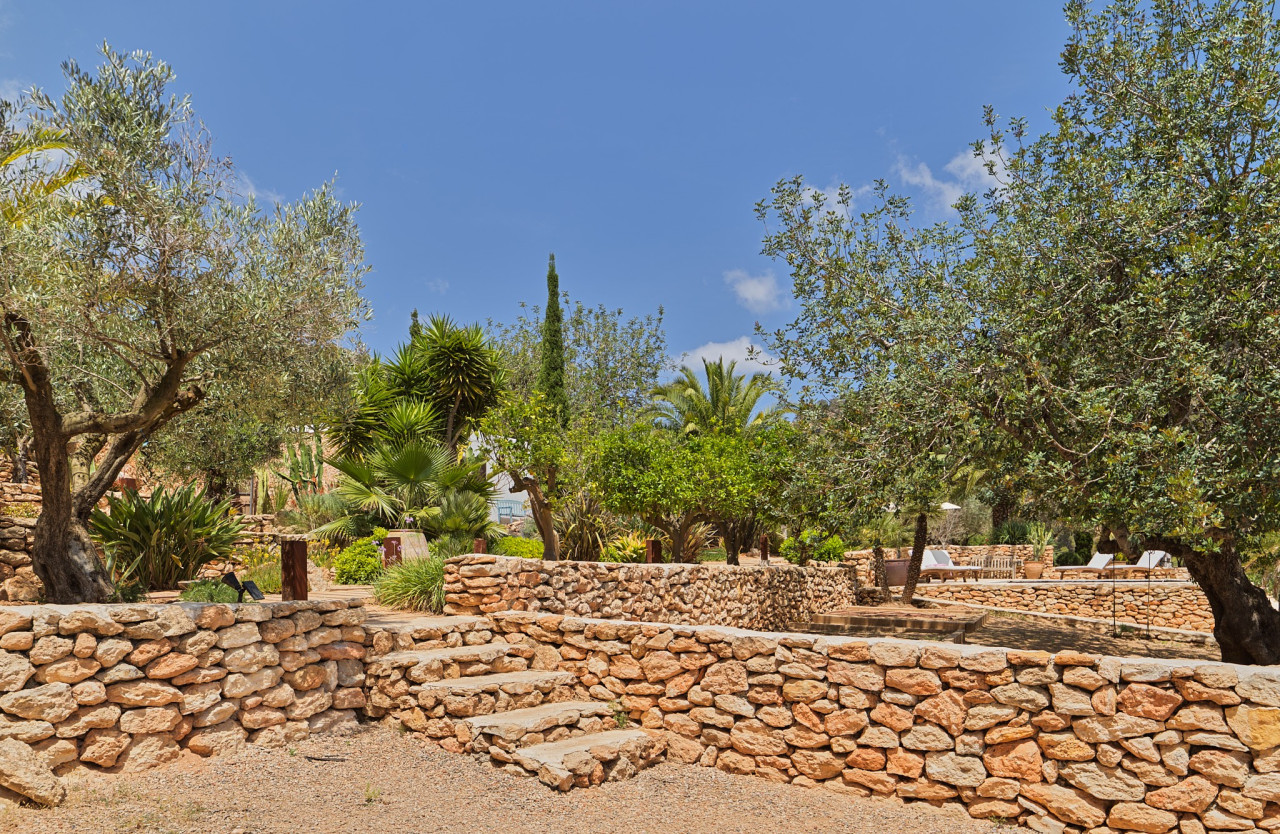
(209, 590)
(811, 546)
(1011, 532)
(715, 554)
(267, 577)
(358, 564)
(160, 541)
(625, 548)
(21, 509)
(416, 585)
(517, 546)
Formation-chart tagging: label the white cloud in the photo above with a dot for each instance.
(11, 88)
(438, 286)
(758, 293)
(248, 188)
(750, 357)
(967, 174)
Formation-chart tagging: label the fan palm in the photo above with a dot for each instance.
(402, 486)
(466, 373)
(24, 161)
(729, 402)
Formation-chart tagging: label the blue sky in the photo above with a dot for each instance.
(632, 139)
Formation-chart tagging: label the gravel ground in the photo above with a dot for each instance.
(391, 783)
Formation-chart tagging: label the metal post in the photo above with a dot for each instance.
(293, 568)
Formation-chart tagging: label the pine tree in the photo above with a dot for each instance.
(415, 326)
(551, 373)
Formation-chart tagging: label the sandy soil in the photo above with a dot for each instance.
(386, 782)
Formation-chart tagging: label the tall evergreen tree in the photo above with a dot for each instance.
(551, 373)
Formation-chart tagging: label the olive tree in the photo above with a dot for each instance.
(150, 286)
(1109, 309)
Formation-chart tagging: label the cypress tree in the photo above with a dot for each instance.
(551, 373)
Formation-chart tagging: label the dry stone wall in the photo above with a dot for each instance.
(747, 597)
(1070, 742)
(128, 687)
(18, 581)
(1165, 604)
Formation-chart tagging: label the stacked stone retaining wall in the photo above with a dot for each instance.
(127, 687)
(1165, 604)
(1070, 742)
(747, 597)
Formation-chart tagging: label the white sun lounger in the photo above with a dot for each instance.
(1099, 564)
(938, 563)
(1149, 561)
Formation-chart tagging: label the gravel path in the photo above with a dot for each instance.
(1051, 636)
(390, 783)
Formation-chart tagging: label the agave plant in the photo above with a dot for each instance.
(585, 528)
(159, 541)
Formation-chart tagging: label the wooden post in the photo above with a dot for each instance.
(293, 568)
(764, 548)
(391, 553)
(652, 551)
(478, 545)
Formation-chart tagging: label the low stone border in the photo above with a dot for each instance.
(1065, 742)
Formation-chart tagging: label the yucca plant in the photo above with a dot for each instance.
(585, 528)
(464, 515)
(160, 541)
(416, 585)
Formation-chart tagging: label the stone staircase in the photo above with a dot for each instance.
(453, 681)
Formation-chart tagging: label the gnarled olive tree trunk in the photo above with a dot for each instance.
(1245, 624)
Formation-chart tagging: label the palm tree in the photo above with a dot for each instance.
(24, 161)
(729, 403)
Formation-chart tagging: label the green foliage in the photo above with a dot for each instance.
(520, 547)
(611, 363)
(1083, 546)
(728, 403)
(1039, 536)
(415, 585)
(209, 590)
(22, 509)
(359, 563)
(267, 577)
(551, 370)
(629, 547)
(182, 289)
(1012, 531)
(464, 515)
(304, 472)
(433, 389)
(584, 526)
(159, 541)
(315, 512)
(811, 545)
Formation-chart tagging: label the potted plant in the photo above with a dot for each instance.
(1039, 536)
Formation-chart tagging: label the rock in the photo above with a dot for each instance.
(1069, 700)
(143, 693)
(89, 718)
(1265, 787)
(150, 720)
(1222, 767)
(103, 746)
(240, 634)
(1257, 727)
(817, 764)
(947, 710)
(1097, 729)
(67, 670)
(1148, 701)
(877, 781)
(801, 690)
(1218, 819)
(15, 671)
(753, 738)
(1261, 687)
(26, 731)
(111, 652)
(994, 808)
(248, 659)
(1014, 760)
(238, 686)
(218, 739)
(1067, 804)
(730, 677)
(148, 751)
(1192, 795)
(1104, 782)
(340, 722)
(965, 771)
(913, 681)
(171, 665)
(901, 762)
(1135, 816)
(1031, 699)
(24, 771)
(1199, 716)
(927, 737)
(52, 702)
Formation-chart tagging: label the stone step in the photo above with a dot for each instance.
(421, 665)
(588, 760)
(500, 732)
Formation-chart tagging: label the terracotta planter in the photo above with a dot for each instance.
(896, 571)
(1034, 570)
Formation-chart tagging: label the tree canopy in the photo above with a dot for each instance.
(1101, 324)
(150, 286)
